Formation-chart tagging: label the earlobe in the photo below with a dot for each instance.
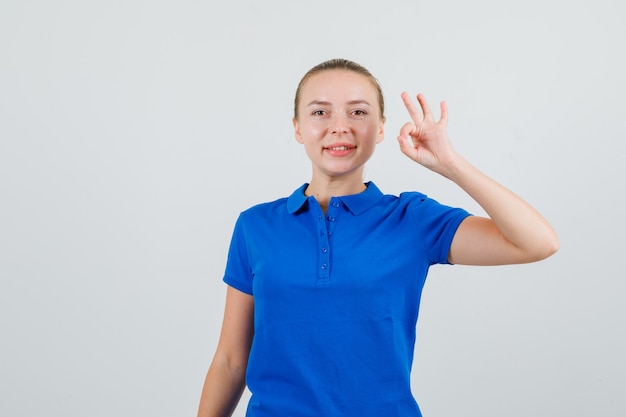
(296, 129)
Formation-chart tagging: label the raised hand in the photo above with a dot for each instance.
(425, 140)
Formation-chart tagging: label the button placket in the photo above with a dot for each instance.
(326, 226)
(330, 224)
(323, 265)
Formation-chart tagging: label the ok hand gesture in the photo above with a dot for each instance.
(424, 140)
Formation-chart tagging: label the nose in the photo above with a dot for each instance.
(339, 124)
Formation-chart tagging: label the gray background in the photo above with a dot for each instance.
(133, 132)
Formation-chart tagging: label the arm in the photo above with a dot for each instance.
(514, 232)
(226, 378)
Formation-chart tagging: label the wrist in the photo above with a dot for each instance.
(456, 168)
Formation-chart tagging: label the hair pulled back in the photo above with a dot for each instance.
(339, 64)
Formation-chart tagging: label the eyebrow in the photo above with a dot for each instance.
(327, 103)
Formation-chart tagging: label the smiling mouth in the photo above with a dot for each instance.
(340, 148)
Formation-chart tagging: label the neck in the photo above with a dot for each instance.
(325, 188)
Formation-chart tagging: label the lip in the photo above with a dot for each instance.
(339, 149)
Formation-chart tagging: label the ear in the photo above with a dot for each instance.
(381, 130)
(296, 129)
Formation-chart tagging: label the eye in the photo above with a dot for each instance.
(319, 113)
(359, 112)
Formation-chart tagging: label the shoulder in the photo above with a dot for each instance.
(413, 197)
(410, 205)
(278, 208)
(424, 208)
(269, 208)
(405, 199)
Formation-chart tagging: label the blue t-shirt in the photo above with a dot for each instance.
(336, 299)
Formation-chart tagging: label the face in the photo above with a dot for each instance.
(339, 122)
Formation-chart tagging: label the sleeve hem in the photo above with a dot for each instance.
(238, 285)
(450, 234)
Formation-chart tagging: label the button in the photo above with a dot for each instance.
(335, 204)
(330, 233)
(331, 219)
(324, 249)
(324, 266)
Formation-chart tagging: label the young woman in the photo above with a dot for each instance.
(324, 285)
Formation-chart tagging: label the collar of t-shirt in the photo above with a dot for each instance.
(356, 203)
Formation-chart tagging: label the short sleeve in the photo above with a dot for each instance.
(437, 223)
(238, 272)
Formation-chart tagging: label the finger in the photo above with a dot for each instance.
(407, 129)
(405, 140)
(428, 114)
(444, 113)
(406, 145)
(414, 111)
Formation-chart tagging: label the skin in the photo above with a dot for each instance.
(338, 108)
(513, 233)
(339, 126)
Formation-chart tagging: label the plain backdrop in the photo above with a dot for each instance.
(132, 133)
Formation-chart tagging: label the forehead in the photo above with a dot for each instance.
(339, 84)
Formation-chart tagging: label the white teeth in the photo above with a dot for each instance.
(339, 148)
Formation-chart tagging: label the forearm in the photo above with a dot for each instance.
(222, 390)
(514, 232)
(517, 221)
